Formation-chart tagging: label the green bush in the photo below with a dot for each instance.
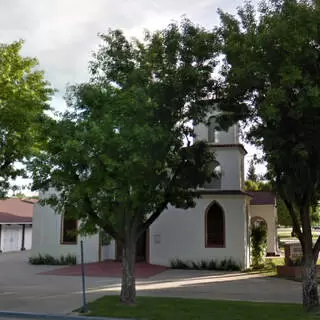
(47, 259)
(195, 265)
(258, 244)
(180, 264)
(212, 265)
(225, 265)
(204, 265)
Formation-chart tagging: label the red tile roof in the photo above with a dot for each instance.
(11, 218)
(262, 197)
(16, 210)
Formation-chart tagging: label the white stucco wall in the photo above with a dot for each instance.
(47, 235)
(181, 233)
(46, 238)
(230, 161)
(269, 214)
(108, 252)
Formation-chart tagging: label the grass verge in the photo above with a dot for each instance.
(269, 268)
(187, 309)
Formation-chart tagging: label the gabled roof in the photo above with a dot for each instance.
(16, 210)
(11, 218)
(262, 197)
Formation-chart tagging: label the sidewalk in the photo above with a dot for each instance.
(24, 289)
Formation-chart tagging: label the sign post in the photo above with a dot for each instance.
(85, 307)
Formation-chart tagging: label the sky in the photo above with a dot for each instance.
(62, 34)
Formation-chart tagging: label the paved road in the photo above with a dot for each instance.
(23, 289)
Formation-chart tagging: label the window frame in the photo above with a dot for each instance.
(62, 233)
(216, 182)
(223, 235)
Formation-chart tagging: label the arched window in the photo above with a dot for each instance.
(212, 130)
(215, 226)
(215, 182)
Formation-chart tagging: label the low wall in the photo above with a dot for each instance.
(293, 272)
(292, 252)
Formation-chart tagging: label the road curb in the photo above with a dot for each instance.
(30, 315)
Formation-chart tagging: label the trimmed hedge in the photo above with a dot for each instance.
(47, 259)
(227, 264)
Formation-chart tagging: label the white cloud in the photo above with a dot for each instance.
(63, 33)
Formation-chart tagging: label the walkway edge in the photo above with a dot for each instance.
(31, 315)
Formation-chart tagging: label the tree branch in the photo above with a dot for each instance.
(110, 230)
(295, 221)
(316, 248)
(153, 216)
(105, 225)
(163, 204)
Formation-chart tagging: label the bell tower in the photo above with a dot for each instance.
(229, 153)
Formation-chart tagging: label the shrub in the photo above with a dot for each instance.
(180, 264)
(204, 265)
(225, 265)
(68, 259)
(229, 265)
(195, 265)
(258, 244)
(47, 259)
(212, 265)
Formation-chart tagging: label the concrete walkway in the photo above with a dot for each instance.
(213, 285)
(23, 289)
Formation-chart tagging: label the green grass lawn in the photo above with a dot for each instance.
(186, 309)
(269, 268)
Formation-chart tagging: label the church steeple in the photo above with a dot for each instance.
(208, 131)
(228, 151)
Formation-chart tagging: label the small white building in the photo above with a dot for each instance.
(218, 227)
(16, 224)
(264, 208)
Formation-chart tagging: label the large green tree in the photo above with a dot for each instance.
(24, 96)
(123, 153)
(271, 77)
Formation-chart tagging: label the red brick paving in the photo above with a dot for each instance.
(108, 269)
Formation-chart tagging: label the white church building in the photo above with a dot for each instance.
(218, 227)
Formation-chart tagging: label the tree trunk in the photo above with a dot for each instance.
(310, 285)
(128, 281)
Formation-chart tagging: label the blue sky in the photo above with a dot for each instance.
(63, 33)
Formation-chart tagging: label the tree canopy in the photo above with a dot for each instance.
(24, 96)
(122, 153)
(271, 80)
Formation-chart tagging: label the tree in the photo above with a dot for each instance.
(252, 172)
(285, 219)
(122, 153)
(270, 79)
(24, 96)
